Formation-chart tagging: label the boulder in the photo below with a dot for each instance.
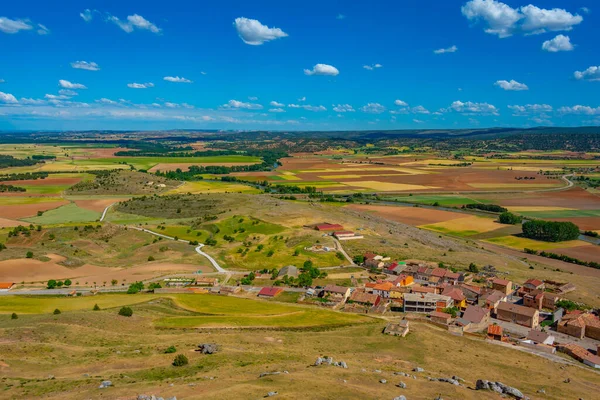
(271, 394)
(418, 369)
(318, 362)
(207, 348)
(499, 387)
(269, 373)
(105, 384)
(343, 364)
(400, 398)
(382, 381)
(401, 385)
(482, 384)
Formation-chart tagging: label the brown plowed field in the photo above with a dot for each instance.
(9, 223)
(100, 153)
(409, 215)
(31, 270)
(97, 205)
(584, 223)
(28, 210)
(585, 253)
(576, 198)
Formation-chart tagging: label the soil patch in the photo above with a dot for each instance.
(414, 216)
(28, 210)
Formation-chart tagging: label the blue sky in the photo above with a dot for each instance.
(309, 65)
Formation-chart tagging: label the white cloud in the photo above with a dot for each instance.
(29, 101)
(340, 16)
(241, 104)
(502, 20)
(133, 22)
(277, 110)
(418, 121)
(580, 110)
(302, 99)
(322, 69)
(11, 26)
(373, 108)
(343, 108)
(470, 108)
(419, 110)
(106, 101)
(401, 103)
(590, 74)
(2, 81)
(88, 66)
(511, 85)
(308, 107)
(140, 85)
(86, 15)
(254, 33)
(528, 109)
(559, 43)
(8, 98)
(42, 30)
(70, 85)
(68, 92)
(451, 49)
(372, 67)
(57, 97)
(276, 104)
(176, 79)
(252, 98)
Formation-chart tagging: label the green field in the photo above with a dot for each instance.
(15, 201)
(66, 213)
(149, 162)
(520, 243)
(47, 304)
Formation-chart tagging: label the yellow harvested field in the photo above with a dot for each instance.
(367, 168)
(60, 166)
(327, 177)
(538, 208)
(290, 177)
(212, 187)
(514, 185)
(466, 226)
(387, 186)
(520, 243)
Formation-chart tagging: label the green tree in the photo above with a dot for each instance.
(96, 307)
(473, 268)
(359, 259)
(180, 360)
(14, 316)
(51, 284)
(29, 254)
(56, 311)
(509, 218)
(126, 311)
(150, 258)
(68, 282)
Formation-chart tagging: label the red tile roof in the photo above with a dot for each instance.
(495, 330)
(369, 255)
(501, 282)
(336, 289)
(6, 285)
(534, 282)
(475, 314)
(439, 272)
(437, 314)
(270, 291)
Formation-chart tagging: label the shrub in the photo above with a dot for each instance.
(14, 316)
(170, 349)
(51, 284)
(126, 312)
(135, 288)
(56, 311)
(150, 258)
(180, 360)
(96, 307)
(68, 282)
(29, 254)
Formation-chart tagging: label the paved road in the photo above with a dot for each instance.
(339, 247)
(213, 262)
(105, 211)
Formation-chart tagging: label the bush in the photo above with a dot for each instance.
(56, 311)
(51, 284)
(170, 349)
(14, 316)
(509, 218)
(150, 258)
(550, 231)
(68, 282)
(135, 288)
(180, 360)
(96, 307)
(29, 254)
(473, 268)
(126, 312)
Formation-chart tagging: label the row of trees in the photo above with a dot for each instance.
(486, 207)
(565, 258)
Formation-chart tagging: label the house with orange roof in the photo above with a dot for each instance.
(457, 296)
(382, 289)
(532, 284)
(494, 332)
(6, 286)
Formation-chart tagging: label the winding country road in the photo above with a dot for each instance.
(198, 249)
(105, 211)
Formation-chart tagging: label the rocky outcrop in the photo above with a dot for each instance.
(208, 348)
(499, 387)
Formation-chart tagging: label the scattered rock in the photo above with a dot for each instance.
(378, 371)
(343, 364)
(543, 391)
(207, 348)
(439, 397)
(499, 387)
(105, 384)
(401, 385)
(382, 381)
(318, 362)
(400, 398)
(271, 394)
(568, 380)
(418, 369)
(86, 375)
(458, 378)
(269, 373)
(50, 376)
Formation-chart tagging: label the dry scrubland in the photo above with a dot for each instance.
(81, 347)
